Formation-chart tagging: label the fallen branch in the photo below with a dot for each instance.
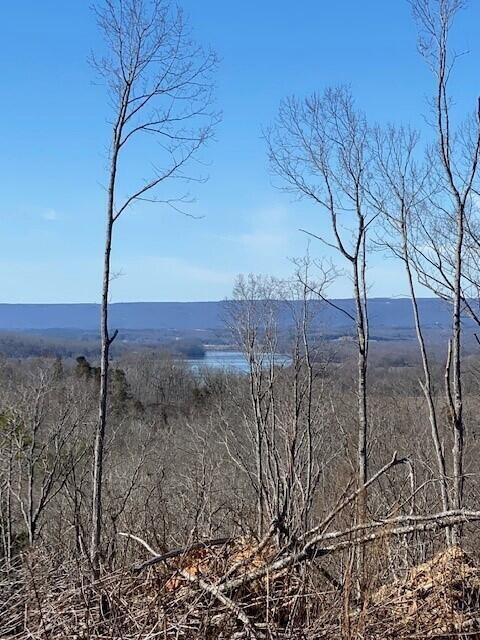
(312, 549)
(469, 516)
(174, 553)
(349, 499)
(221, 597)
(142, 542)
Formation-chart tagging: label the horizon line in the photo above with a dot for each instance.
(389, 298)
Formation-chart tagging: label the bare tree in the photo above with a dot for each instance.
(402, 189)
(253, 318)
(319, 148)
(7, 461)
(284, 424)
(160, 89)
(43, 427)
(454, 161)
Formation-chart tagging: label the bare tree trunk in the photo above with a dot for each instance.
(309, 400)
(359, 282)
(29, 510)
(102, 407)
(9, 535)
(427, 382)
(255, 391)
(106, 342)
(362, 364)
(7, 525)
(457, 417)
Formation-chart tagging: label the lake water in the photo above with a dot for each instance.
(233, 361)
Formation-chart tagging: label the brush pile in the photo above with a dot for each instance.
(181, 599)
(438, 599)
(167, 600)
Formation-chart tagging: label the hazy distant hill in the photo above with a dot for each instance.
(389, 314)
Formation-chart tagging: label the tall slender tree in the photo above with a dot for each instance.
(160, 88)
(319, 147)
(455, 162)
(401, 191)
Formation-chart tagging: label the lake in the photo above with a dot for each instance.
(233, 361)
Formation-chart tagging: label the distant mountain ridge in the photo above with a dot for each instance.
(385, 313)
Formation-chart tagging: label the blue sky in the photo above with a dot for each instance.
(54, 138)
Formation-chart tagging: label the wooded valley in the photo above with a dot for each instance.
(331, 491)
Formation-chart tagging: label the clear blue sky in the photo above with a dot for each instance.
(54, 137)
